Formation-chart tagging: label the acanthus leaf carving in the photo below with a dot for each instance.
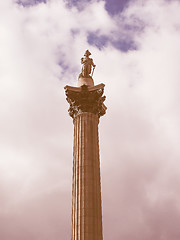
(86, 101)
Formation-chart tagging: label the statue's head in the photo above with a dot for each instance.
(87, 53)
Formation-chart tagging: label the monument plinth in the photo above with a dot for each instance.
(85, 81)
(86, 107)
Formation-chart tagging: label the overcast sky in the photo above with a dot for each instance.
(136, 47)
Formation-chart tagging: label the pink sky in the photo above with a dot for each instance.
(137, 53)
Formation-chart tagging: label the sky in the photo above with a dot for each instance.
(135, 45)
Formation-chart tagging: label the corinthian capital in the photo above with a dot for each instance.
(86, 99)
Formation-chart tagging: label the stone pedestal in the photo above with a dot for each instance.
(86, 107)
(85, 80)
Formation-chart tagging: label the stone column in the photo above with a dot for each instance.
(86, 107)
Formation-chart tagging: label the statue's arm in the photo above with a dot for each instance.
(92, 63)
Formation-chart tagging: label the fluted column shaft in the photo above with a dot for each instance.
(86, 187)
(86, 107)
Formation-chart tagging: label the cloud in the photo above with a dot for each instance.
(41, 47)
(27, 3)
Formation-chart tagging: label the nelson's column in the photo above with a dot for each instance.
(86, 107)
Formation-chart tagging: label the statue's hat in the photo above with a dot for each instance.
(87, 53)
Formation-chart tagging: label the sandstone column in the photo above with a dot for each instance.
(86, 107)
